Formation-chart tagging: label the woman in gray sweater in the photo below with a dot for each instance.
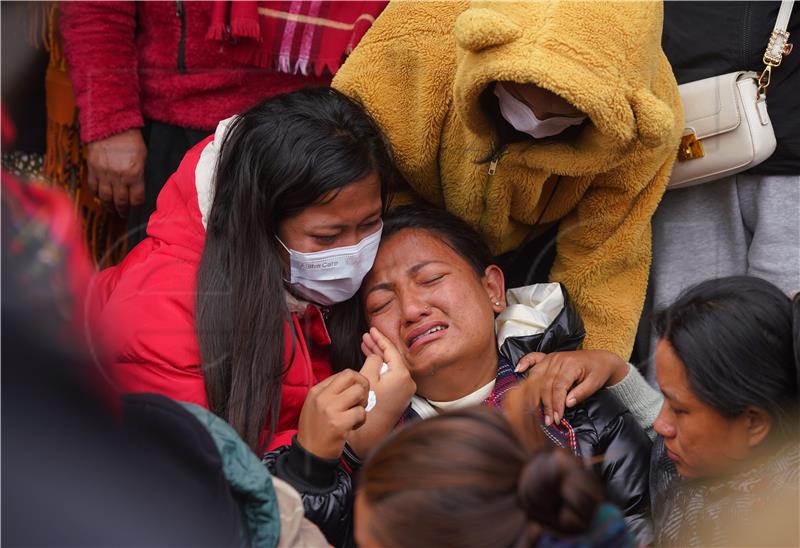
(725, 424)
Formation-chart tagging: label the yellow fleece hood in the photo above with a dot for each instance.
(421, 70)
(596, 55)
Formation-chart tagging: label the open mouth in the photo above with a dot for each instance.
(425, 334)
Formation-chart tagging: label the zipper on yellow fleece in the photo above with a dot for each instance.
(495, 159)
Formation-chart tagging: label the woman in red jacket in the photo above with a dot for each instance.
(266, 228)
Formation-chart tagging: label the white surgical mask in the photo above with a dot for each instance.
(520, 115)
(333, 275)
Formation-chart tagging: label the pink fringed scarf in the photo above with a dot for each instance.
(293, 37)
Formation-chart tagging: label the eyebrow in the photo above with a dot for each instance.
(669, 395)
(412, 271)
(376, 213)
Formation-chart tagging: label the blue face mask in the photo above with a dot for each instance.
(333, 275)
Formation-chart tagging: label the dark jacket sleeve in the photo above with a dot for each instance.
(606, 429)
(100, 48)
(324, 485)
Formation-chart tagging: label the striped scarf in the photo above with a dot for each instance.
(561, 435)
(720, 512)
(293, 37)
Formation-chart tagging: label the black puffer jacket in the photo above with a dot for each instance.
(325, 486)
(606, 432)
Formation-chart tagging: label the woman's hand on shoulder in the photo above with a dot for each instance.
(393, 391)
(331, 411)
(564, 379)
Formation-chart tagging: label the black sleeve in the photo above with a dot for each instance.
(625, 467)
(324, 485)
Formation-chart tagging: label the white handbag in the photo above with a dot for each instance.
(726, 126)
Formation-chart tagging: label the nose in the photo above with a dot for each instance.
(664, 425)
(348, 239)
(413, 306)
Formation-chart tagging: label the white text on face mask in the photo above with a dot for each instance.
(333, 275)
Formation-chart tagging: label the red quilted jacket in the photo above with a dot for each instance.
(134, 60)
(145, 306)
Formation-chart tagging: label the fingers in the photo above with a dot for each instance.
(93, 180)
(321, 386)
(105, 192)
(585, 388)
(388, 350)
(353, 396)
(566, 379)
(528, 360)
(523, 414)
(577, 395)
(371, 369)
(381, 341)
(369, 346)
(344, 379)
(529, 394)
(553, 367)
(121, 198)
(354, 418)
(137, 192)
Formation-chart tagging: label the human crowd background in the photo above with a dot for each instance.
(370, 273)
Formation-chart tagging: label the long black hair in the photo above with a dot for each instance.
(276, 159)
(737, 338)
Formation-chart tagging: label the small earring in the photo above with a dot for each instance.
(496, 301)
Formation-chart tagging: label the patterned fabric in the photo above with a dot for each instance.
(41, 235)
(608, 530)
(561, 435)
(695, 513)
(293, 37)
(25, 165)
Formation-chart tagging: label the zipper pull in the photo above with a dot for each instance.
(495, 159)
(493, 166)
(179, 8)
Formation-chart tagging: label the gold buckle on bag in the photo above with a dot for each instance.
(690, 148)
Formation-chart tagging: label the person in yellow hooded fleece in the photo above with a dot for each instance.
(516, 116)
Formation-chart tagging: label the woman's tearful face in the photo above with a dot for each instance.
(430, 302)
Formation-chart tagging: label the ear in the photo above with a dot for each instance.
(758, 423)
(495, 284)
(654, 119)
(479, 28)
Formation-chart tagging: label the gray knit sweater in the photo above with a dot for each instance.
(641, 399)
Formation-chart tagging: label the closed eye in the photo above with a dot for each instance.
(379, 307)
(432, 280)
(325, 240)
(371, 224)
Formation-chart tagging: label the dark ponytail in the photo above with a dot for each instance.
(276, 159)
(466, 479)
(558, 494)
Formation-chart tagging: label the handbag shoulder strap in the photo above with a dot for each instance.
(778, 46)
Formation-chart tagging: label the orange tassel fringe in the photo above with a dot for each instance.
(65, 163)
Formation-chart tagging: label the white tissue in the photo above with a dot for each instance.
(371, 399)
